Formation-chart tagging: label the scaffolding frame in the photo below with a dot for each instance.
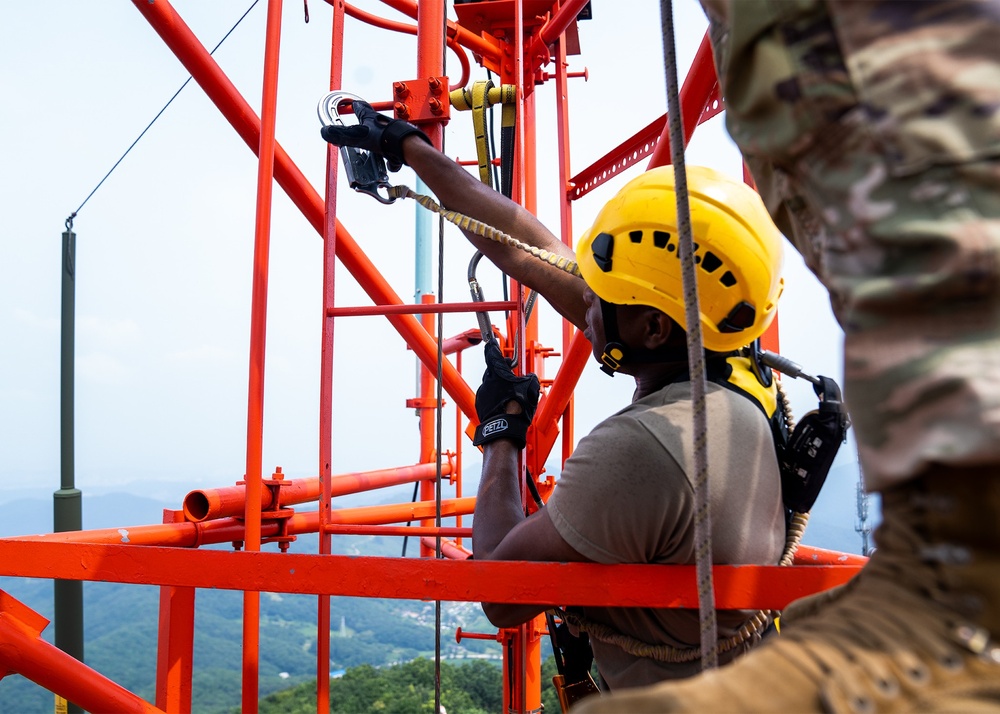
(516, 39)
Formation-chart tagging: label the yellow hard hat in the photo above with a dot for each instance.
(630, 255)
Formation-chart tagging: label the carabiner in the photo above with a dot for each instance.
(366, 172)
(485, 324)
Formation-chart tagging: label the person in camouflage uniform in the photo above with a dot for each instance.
(872, 129)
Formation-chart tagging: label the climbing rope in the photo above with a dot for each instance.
(696, 361)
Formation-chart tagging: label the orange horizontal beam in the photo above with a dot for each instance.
(223, 530)
(209, 503)
(449, 548)
(737, 587)
(444, 532)
(421, 309)
(811, 555)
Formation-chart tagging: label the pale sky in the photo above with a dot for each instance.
(165, 247)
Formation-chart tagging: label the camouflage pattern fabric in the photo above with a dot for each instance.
(872, 129)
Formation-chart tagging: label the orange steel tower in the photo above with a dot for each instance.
(516, 40)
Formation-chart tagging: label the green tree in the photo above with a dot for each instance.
(473, 688)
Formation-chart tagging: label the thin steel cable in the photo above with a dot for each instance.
(158, 114)
(439, 426)
(696, 354)
(439, 412)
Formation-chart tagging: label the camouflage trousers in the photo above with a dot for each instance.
(872, 129)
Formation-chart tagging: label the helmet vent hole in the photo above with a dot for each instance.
(661, 239)
(729, 280)
(711, 262)
(635, 236)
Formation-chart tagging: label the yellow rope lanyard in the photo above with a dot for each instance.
(485, 230)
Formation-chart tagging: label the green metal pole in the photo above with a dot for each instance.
(68, 505)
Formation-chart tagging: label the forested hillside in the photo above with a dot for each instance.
(471, 688)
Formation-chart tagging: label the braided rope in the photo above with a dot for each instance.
(696, 355)
(485, 230)
(757, 623)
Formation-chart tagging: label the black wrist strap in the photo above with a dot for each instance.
(503, 426)
(392, 137)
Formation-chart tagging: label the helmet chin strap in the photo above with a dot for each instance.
(614, 353)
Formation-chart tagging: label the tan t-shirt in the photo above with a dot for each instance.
(627, 496)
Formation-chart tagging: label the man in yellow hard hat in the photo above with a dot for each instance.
(626, 494)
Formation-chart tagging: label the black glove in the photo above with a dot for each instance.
(501, 385)
(374, 132)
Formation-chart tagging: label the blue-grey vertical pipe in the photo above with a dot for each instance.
(67, 506)
(423, 279)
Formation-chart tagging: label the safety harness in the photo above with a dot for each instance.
(805, 453)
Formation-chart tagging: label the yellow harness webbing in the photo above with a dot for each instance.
(483, 95)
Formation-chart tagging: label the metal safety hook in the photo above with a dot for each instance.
(485, 324)
(366, 172)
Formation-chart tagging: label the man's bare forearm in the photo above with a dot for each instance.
(499, 511)
(498, 502)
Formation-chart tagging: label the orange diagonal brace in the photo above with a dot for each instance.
(22, 650)
(694, 96)
(203, 68)
(552, 406)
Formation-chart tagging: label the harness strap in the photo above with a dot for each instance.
(480, 103)
(508, 118)
(483, 95)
